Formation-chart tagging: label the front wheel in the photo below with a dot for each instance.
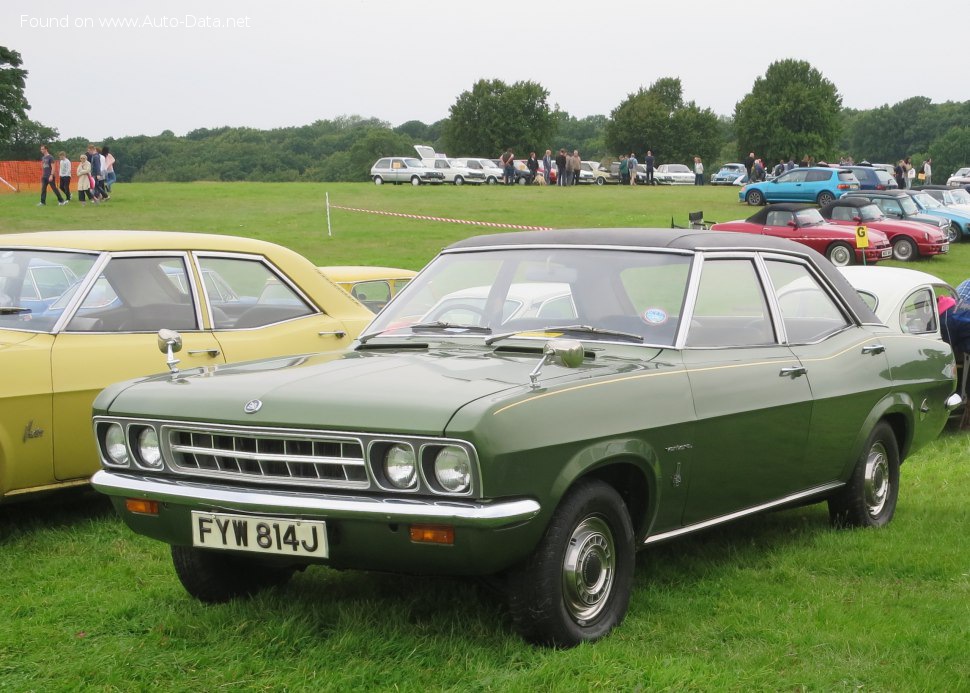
(459, 180)
(576, 585)
(824, 198)
(869, 498)
(840, 254)
(378, 180)
(601, 181)
(215, 577)
(415, 181)
(755, 198)
(522, 180)
(904, 249)
(491, 180)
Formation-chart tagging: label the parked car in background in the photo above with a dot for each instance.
(453, 171)
(607, 175)
(804, 224)
(902, 299)
(687, 392)
(960, 179)
(896, 204)
(958, 219)
(523, 176)
(232, 299)
(957, 198)
(587, 171)
(372, 286)
(403, 169)
(491, 174)
(813, 184)
(872, 178)
(673, 174)
(728, 174)
(909, 239)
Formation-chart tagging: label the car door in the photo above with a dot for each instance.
(111, 335)
(787, 187)
(752, 403)
(259, 312)
(845, 365)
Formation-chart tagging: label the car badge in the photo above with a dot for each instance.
(253, 406)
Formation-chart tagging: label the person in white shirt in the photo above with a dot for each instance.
(698, 171)
(64, 172)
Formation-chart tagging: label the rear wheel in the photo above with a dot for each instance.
(755, 198)
(576, 585)
(824, 198)
(378, 180)
(415, 181)
(840, 254)
(904, 249)
(953, 232)
(212, 576)
(869, 499)
(459, 180)
(522, 180)
(491, 180)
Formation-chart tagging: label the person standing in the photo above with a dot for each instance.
(109, 171)
(624, 170)
(84, 186)
(698, 171)
(910, 172)
(899, 173)
(561, 167)
(65, 174)
(928, 172)
(577, 166)
(47, 178)
(790, 163)
(508, 166)
(532, 163)
(547, 166)
(94, 158)
(632, 163)
(648, 161)
(749, 164)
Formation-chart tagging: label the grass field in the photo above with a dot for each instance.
(779, 602)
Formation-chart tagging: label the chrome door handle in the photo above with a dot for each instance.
(873, 349)
(793, 371)
(338, 333)
(211, 352)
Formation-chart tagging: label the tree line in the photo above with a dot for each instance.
(791, 111)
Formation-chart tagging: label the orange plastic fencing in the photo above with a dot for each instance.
(21, 176)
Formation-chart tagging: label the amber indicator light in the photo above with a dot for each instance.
(143, 507)
(433, 534)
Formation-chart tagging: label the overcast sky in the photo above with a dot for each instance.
(283, 63)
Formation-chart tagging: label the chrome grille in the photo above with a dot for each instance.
(280, 458)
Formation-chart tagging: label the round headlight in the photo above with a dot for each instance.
(114, 444)
(149, 452)
(399, 465)
(453, 469)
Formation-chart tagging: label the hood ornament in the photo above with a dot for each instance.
(253, 406)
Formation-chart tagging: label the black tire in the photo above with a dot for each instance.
(904, 249)
(840, 254)
(576, 585)
(459, 180)
(600, 180)
(378, 180)
(214, 577)
(491, 180)
(824, 198)
(755, 198)
(869, 498)
(953, 234)
(415, 181)
(522, 180)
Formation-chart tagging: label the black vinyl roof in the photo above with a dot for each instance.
(675, 239)
(761, 216)
(856, 202)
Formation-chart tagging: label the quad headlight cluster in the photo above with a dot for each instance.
(138, 444)
(443, 468)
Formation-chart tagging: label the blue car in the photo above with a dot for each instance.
(959, 228)
(728, 174)
(820, 185)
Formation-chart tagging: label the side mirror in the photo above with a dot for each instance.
(568, 353)
(857, 219)
(170, 342)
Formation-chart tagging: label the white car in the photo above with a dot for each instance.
(959, 179)
(403, 169)
(588, 171)
(453, 171)
(524, 300)
(673, 174)
(903, 299)
(492, 173)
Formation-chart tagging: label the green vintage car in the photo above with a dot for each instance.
(538, 407)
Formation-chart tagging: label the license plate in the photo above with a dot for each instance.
(945, 248)
(888, 252)
(259, 534)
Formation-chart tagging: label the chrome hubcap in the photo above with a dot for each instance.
(876, 480)
(588, 569)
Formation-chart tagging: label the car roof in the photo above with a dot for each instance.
(875, 193)
(761, 216)
(356, 273)
(672, 239)
(118, 240)
(890, 285)
(846, 201)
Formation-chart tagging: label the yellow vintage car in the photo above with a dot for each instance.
(81, 309)
(372, 286)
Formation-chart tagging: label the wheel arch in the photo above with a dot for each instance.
(636, 488)
(896, 410)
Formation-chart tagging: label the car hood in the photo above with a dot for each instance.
(401, 391)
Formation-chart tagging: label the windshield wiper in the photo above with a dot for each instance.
(436, 325)
(14, 310)
(568, 328)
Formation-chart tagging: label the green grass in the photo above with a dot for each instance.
(779, 602)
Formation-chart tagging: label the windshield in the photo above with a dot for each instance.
(413, 163)
(959, 196)
(926, 201)
(809, 217)
(678, 168)
(533, 291)
(31, 281)
(909, 207)
(870, 213)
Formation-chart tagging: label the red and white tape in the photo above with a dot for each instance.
(492, 224)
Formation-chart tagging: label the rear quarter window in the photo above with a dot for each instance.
(847, 177)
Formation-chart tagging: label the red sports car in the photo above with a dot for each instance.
(804, 224)
(910, 239)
